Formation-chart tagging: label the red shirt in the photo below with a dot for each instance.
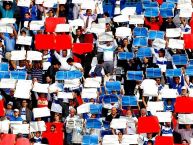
(79, 100)
(42, 102)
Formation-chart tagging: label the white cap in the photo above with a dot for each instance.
(184, 88)
(16, 110)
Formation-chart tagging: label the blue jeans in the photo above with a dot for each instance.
(69, 138)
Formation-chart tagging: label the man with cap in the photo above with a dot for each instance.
(16, 116)
(184, 91)
(9, 110)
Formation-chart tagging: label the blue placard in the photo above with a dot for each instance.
(140, 31)
(149, 4)
(135, 75)
(155, 34)
(151, 12)
(90, 140)
(66, 75)
(189, 70)
(4, 67)
(173, 72)
(110, 99)
(125, 55)
(190, 61)
(93, 123)
(129, 101)
(167, 12)
(180, 59)
(166, 5)
(172, 1)
(153, 72)
(95, 108)
(18, 75)
(113, 86)
(140, 41)
(4, 74)
(144, 52)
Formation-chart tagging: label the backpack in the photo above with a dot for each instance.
(97, 70)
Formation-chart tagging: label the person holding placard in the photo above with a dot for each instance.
(9, 9)
(154, 23)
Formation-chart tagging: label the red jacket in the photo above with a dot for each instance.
(154, 25)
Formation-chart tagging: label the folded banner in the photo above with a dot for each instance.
(118, 123)
(129, 101)
(68, 75)
(188, 39)
(52, 22)
(34, 55)
(113, 86)
(151, 12)
(153, 72)
(155, 34)
(82, 48)
(161, 140)
(95, 108)
(123, 31)
(135, 75)
(173, 72)
(189, 70)
(173, 32)
(169, 93)
(144, 52)
(63, 42)
(125, 55)
(110, 99)
(24, 40)
(90, 140)
(180, 59)
(164, 116)
(167, 12)
(136, 19)
(18, 55)
(23, 89)
(148, 124)
(18, 75)
(140, 41)
(176, 44)
(140, 31)
(93, 123)
(4, 67)
(184, 105)
(44, 42)
(41, 112)
(185, 118)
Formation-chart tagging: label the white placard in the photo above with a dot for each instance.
(123, 31)
(77, 1)
(7, 83)
(105, 37)
(8, 20)
(72, 83)
(77, 22)
(128, 11)
(62, 1)
(68, 95)
(136, 19)
(164, 116)
(18, 55)
(56, 108)
(176, 44)
(169, 93)
(173, 32)
(4, 126)
(155, 106)
(185, 118)
(92, 82)
(89, 93)
(37, 126)
(62, 28)
(89, 4)
(22, 92)
(110, 139)
(36, 25)
(46, 65)
(130, 139)
(39, 1)
(20, 128)
(49, 3)
(186, 11)
(149, 87)
(41, 112)
(24, 40)
(54, 88)
(159, 43)
(84, 108)
(6, 28)
(34, 55)
(104, 20)
(118, 123)
(182, 3)
(40, 88)
(121, 18)
(24, 3)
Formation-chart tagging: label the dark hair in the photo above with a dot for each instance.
(150, 141)
(185, 140)
(69, 60)
(162, 51)
(106, 14)
(100, 61)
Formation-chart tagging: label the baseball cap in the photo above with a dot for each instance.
(10, 103)
(183, 88)
(16, 110)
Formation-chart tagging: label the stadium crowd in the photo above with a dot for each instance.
(105, 72)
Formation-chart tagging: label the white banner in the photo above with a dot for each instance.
(185, 118)
(169, 93)
(62, 28)
(24, 3)
(123, 31)
(136, 19)
(77, 22)
(106, 37)
(164, 116)
(159, 43)
(121, 18)
(34, 55)
(92, 82)
(84, 108)
(118, 123)
(20, 128)
(8, 83)
(23, 89)
(149, 87)
(6, 28)
(68, 95)
(8, 20)
(176, 44)
(41, 112)
(56, 108)
(4, 126)
(24, 40)
(155, 106)
(89, 93)
(128, 11)
(173, 32)
(36, 25)
(18, 55)
(89, 4)
(40, 88)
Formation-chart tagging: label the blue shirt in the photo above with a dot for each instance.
(9, 43)
(13, 118)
